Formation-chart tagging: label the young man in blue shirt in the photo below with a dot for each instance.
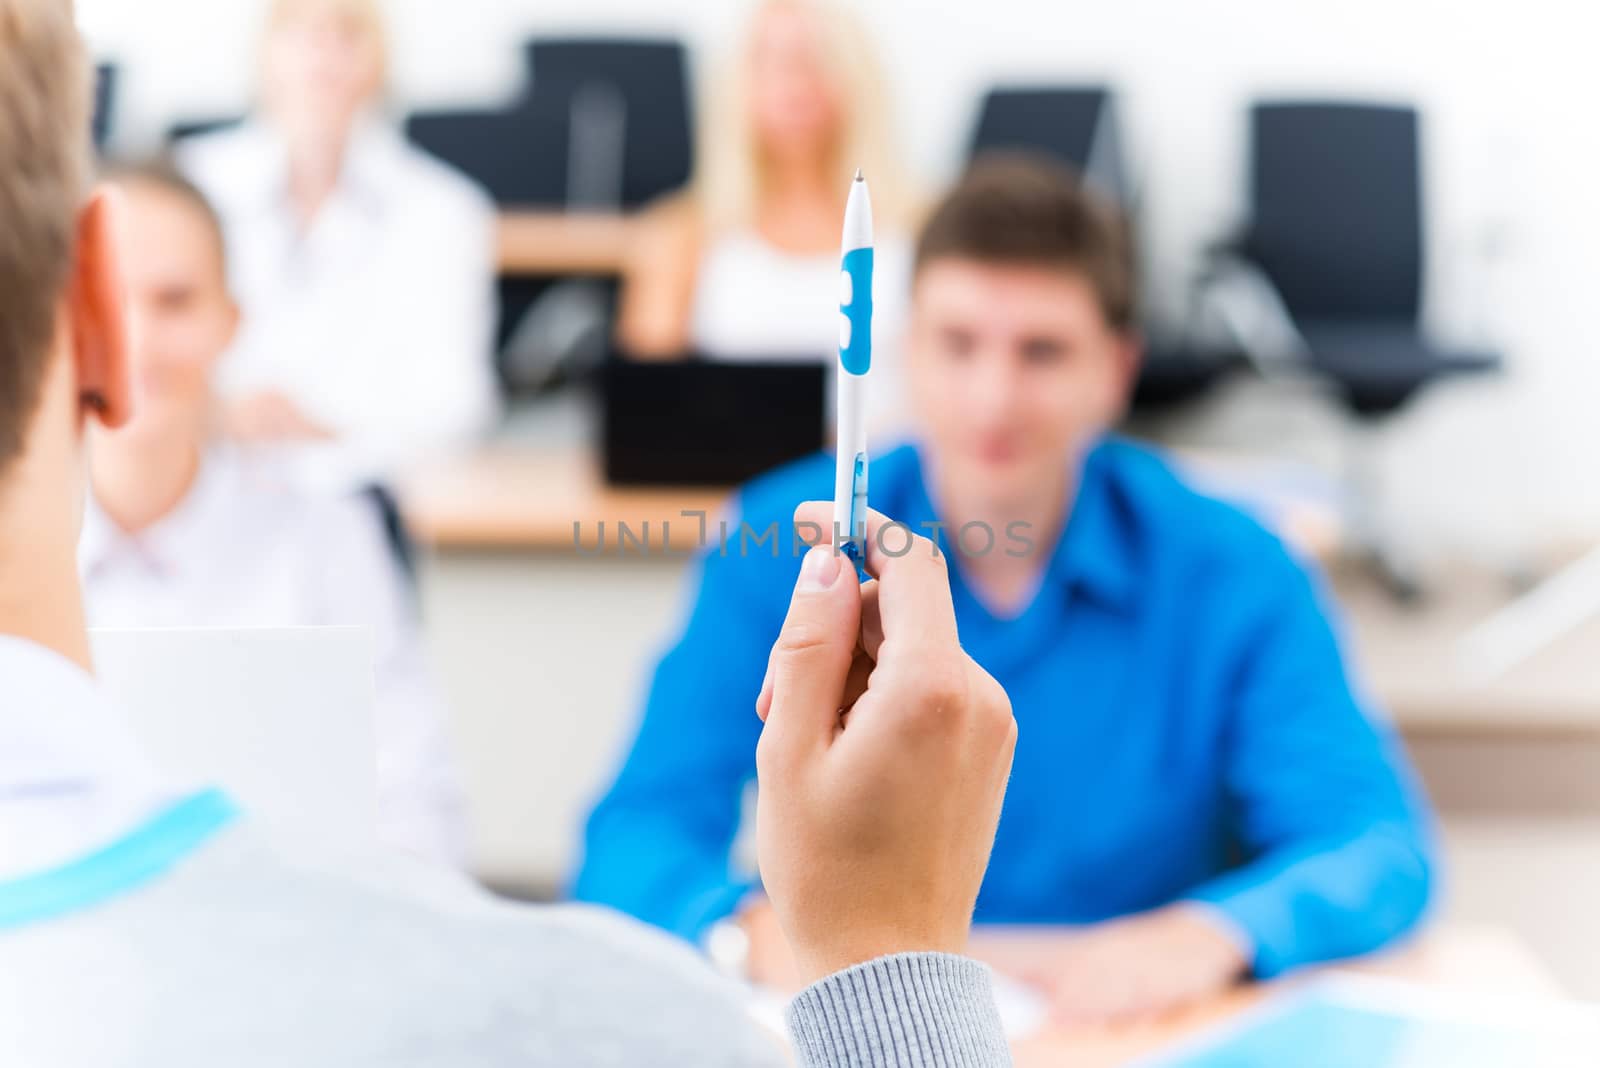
(1200, 792)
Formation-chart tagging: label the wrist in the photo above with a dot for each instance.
(818, 959)
(1228, 935)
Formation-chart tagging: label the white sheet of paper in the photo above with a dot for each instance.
(282, 719)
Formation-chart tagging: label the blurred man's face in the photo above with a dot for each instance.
(1013, 372)
(181, 316)
(322, 68)
(793, 106)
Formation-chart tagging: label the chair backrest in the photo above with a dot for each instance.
(387, 508)
(105, 98)
(519, 155)
(1074, 124)
(634, 89)
(1336, 209)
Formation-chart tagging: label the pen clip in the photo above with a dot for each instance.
(855, 546)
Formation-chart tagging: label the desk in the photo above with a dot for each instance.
(557, 243)
(512, 497)
(1470, 960)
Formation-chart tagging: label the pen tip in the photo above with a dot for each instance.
(858, 175)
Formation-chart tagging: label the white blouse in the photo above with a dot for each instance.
(247, 548)
(755, 302)
(378, 319)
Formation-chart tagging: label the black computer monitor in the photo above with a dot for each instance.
(699, 422)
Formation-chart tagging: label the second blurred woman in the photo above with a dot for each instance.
(364, 268)
(745, 265)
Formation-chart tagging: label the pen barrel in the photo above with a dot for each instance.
(855, 360)
(852, 451)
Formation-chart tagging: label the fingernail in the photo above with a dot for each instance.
(819, 568)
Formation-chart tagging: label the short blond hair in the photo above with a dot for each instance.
(44, 175)
(728, 179)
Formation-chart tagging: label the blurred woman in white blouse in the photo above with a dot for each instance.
(183, 531)
(745, 264)
(364, 268)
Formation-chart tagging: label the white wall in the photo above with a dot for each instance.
(1508, 90)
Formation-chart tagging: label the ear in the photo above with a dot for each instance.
(97, 304)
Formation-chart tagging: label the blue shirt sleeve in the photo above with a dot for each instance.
(657, 845)
(1334, 828)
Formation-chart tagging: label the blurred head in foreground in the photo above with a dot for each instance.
(63, 358)
(181, 316)
(1022, 347)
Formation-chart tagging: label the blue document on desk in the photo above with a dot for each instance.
(1339, 1026)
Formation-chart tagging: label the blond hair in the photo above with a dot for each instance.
(365, 14)
(44, 175)
(729, 178)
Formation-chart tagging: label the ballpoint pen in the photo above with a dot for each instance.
(855, 360)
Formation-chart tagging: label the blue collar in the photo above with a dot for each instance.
(1096, 555)
(143, 855)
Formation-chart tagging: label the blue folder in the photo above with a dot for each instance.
(1318, 1029)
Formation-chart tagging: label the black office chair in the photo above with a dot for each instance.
(105, 98)
(519, 155)
(1337, 227)
(628, 99)
(387, 508)
(1076, 125)
(1335, 238)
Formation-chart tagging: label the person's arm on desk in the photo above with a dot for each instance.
(659, 274)
(1335, 829)
(882, 765)
(1326, 811)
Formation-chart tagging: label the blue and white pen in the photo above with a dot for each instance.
(855, 360)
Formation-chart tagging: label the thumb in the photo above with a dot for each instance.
(812, 657)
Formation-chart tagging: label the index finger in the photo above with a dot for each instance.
(912, 572)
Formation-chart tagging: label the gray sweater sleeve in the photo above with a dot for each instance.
(911, 1010)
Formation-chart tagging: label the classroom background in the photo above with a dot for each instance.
(1488, 480)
